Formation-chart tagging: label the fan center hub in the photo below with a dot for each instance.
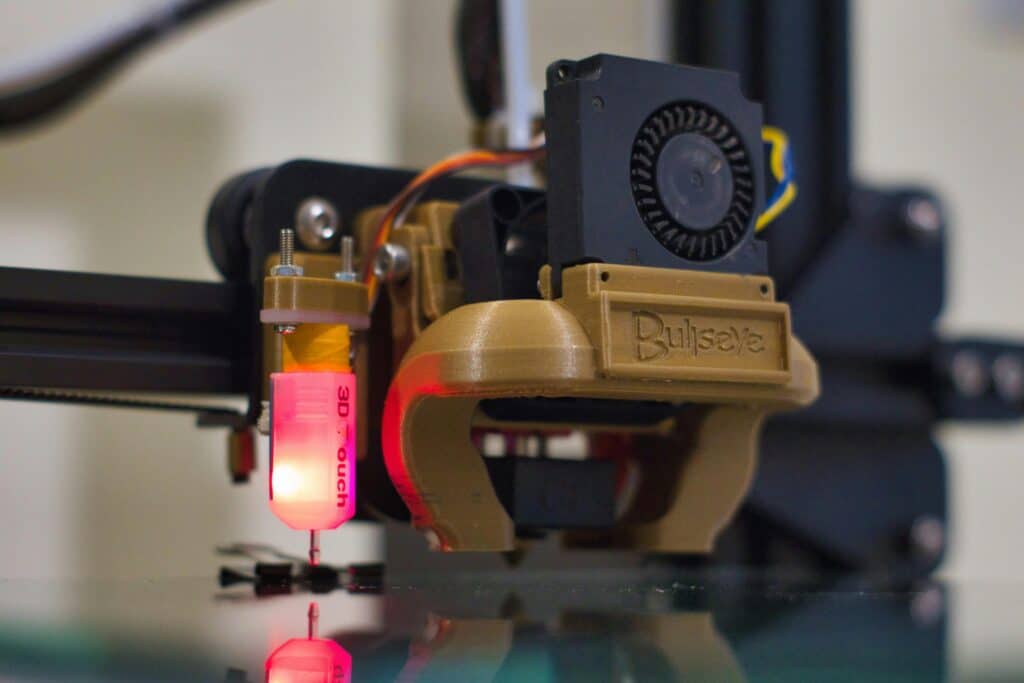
(694, 181)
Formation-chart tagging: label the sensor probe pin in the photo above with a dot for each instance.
(314, 547)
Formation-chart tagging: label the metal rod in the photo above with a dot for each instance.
(314, 547)
(314, 619)
(515, 61)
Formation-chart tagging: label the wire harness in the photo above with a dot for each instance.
(782, 168)
(395, 211)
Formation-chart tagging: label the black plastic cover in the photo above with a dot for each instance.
(543, 493)
(501, 238)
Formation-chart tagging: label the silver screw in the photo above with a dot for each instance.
(287, 247)
(970, 374)
(923, 217)
(286, 264)
(317, 223)
(348, 271)
(287, 241)
(1008, 374)
(392, 262)
(286, 267)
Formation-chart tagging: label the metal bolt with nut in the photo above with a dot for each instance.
(347, 272)
(286, 268)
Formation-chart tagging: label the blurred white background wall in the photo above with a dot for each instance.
(121, 185)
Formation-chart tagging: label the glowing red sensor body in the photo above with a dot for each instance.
(313, 448)
(312, 660)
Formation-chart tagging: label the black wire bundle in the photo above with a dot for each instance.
(478, 47)
(36, 92)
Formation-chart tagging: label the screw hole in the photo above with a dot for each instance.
(605, 276)
(764, 290)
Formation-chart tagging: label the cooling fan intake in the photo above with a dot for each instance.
(692, 181)
(653, 165)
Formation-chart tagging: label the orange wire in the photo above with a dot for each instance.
(477, 158)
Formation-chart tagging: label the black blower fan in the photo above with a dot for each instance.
(692, 181)
(652, 164)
